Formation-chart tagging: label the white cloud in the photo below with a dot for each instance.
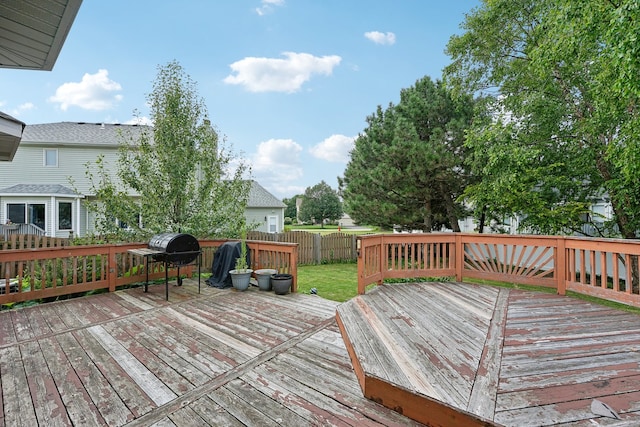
(381, 38)
(94, 92)
(336, 149)
(22, 108)
(280, 75)
(277, 166)
(267, 6)
(142, 120)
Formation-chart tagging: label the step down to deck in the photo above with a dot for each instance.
(424, 349)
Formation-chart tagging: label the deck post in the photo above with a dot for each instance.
(112, 270)
(458, 256)
(293, 267)
(561, 266)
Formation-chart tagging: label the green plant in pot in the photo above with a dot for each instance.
(241, 275)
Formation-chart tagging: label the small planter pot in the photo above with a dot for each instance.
(241, 279)
(281, 283)
(263, 276)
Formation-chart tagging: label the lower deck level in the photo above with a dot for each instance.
(468, 355)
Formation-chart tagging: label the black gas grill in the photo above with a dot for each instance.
(174, 250)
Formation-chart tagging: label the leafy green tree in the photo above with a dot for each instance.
(179, 169)
(320, 203)
(407, 167)
(560, 127)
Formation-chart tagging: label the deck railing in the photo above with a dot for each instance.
(606, 268)
(44, 273)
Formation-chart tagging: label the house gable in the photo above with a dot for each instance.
(264, 210)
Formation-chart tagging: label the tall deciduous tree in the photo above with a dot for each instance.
(179, 170)
(565, 124)
(320, 203)
(407, 167)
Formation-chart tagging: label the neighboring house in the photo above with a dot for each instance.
(37, 187)
(264, 210)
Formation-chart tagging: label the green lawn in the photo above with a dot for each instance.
(337, 282)
(327, 229)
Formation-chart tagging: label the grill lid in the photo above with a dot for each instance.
(176, 248)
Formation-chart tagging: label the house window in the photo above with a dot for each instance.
(21, 213)
(50, 157)
(65, 218)
(16, 213)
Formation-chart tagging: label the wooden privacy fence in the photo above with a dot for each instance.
(605, 268)
(314, 248)
(32, 274)
(31, 241)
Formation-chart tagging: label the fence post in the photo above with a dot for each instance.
(561, 266)
(317, 248)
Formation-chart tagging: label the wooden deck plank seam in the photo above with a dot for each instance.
(482, 400)
(219, 381)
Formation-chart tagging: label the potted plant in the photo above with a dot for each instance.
(281, 283)
(241, 275)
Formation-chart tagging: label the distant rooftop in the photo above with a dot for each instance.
(38, 189)
(79, 133)
(259, 197)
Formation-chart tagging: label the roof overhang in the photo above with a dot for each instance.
(32, 32)
(10, 135)
(31, 36)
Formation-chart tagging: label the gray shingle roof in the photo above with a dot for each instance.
(261, 198)
(79, 133)
(38, 189)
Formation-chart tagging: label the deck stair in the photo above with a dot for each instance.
(455, 354)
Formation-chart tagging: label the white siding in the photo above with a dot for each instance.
(28, 168)
(261, 217)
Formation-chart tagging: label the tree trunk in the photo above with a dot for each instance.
(449, 205)
(483, 218)
(428, 222)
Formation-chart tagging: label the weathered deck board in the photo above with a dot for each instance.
(16, 409)
(78, 404)
(217, 358)
(544, 358)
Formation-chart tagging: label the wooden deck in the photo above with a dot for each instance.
(464, 355)
(218, 358)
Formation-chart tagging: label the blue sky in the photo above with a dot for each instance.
(288, 82)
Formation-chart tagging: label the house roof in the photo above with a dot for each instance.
(259, 197)
(10, 133)
(37, 190)
(71, 133)
(33, 32)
